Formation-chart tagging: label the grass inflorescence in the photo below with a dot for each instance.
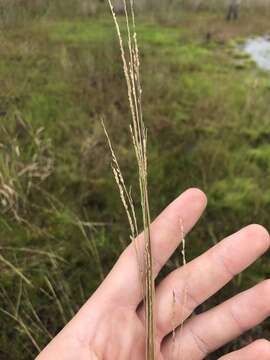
(131, 67)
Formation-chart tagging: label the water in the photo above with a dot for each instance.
(259, 51)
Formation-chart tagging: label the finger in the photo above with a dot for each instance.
(205, 333)
(123, 283)
(259, 349)
(184, 289)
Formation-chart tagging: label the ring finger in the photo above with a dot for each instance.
(204, 333)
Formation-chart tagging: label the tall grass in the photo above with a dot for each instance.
(138, 131)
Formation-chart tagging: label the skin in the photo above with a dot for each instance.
(111, 323)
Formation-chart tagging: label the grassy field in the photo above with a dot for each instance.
(62, 225)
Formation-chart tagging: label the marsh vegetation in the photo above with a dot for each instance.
(206, 105)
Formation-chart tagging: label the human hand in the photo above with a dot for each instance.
(111, 324)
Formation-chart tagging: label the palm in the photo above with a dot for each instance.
(111, 324)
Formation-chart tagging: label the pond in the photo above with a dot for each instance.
(259, 51)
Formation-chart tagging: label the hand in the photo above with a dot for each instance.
(111, 324)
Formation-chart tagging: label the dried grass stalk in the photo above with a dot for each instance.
(131, 67)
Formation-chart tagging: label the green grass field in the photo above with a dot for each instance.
(62, 225)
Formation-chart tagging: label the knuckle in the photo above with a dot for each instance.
(200, 343)
(241, 328)
(226, 263)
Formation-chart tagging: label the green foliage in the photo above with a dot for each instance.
(208, 127)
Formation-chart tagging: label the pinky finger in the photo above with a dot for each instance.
(259, 349)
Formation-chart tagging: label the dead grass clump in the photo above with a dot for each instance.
(26, 159)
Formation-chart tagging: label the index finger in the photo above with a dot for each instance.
(123, 282)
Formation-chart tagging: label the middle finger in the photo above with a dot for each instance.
(184, 289)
